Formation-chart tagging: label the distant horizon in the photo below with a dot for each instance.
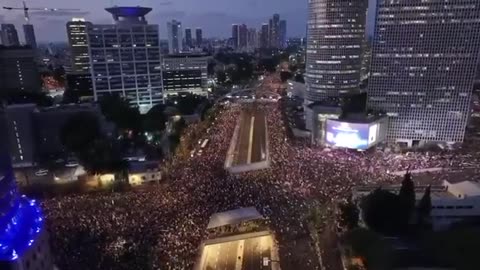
(215, 17)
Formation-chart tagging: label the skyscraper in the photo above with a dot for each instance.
(77, 32)
(242, 36)
(235, 35)
(18, 70)
(9, 35)
(274, 29)
(252, 38)
(264, 36)
(282, 33)
(79, 79)
(174, 37)
(199, 37)
(188, 38)
(125, 58)
(29, 33)
(423, 68)
(335, 37)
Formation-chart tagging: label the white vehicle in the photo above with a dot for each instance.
(204, 144)
(71, 164)
(41, 172)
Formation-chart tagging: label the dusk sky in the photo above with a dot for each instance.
(214, 16)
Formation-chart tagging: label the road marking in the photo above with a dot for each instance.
(250, 140)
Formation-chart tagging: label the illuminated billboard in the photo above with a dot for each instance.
(347, 135)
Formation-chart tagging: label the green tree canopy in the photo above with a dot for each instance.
(154, 120)
(119, 111)
(407, 199)
(380, 212)
(80, 131)
(349, 215)
(424, 209)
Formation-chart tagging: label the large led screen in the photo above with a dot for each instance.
(349, 135)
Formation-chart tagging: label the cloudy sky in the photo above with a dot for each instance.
(214, 16)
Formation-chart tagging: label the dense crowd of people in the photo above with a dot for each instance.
(161, 227)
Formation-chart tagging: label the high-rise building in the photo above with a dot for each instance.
(242, 36)
(282, 34)
(29, 33)
(175, 37)
(274, 31)
(77, 32)
(24, 241)
(185, 73)
(423, 68)
(252, 38)
(9, 35)
(125, 58)
(334, 48)
(235, 35)
(199, 37)
(79, 79)
(264, 36)
(18, 70)
(188, 38)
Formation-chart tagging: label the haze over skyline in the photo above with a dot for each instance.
(214, 16)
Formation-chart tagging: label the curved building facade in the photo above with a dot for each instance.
(23, 237)
(336, 32)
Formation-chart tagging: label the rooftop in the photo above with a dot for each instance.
(137, 11)
(233, 217)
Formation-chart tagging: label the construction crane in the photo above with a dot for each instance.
(27, 9)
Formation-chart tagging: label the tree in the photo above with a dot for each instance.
(154, 120)
(375, 251)
(407, 199)
(119, 111)
(380, 212)
(221, 77)
(349, 215)
(80, 132)
(424, 208)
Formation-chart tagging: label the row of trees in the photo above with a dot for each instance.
(391, 214)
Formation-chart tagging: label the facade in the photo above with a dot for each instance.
(336, 32)
(9, 35)
(79, 78)
(199, 37)
(175, 39)
(252, 38)
(29, 33)
(264, 36)
(424, 80)
(185, 73)
(33, 133)
(125, 58)
(452, 202)
(274, 31)
(77, 31)
(18, 70)
(24, 239)
(21, 134)
(188, 38)
(282, 34)
(235, 35)
(242, 36)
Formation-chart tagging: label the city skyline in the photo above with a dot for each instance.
(215, 18)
